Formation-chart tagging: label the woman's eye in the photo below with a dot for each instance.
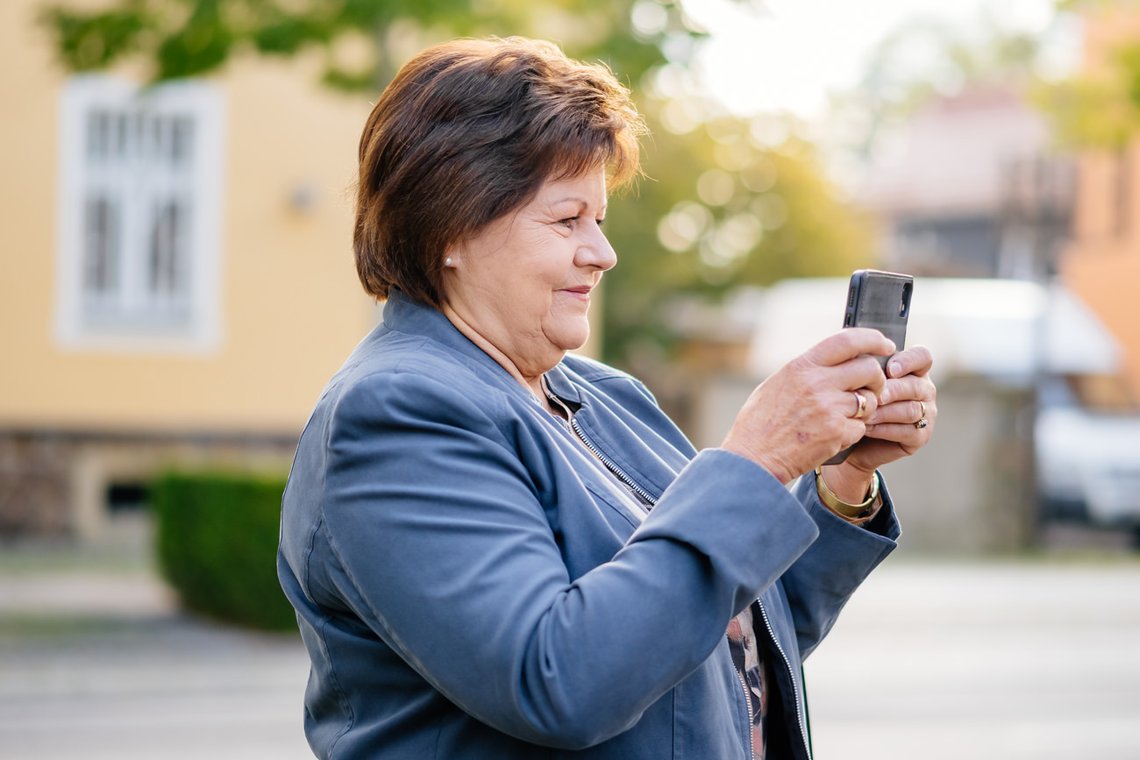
(600, 221)
(568, 221)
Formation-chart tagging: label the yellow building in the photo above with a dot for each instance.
(175, 269)
(1102, 264)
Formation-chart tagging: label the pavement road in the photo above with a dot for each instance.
(992, 661)
(1010, 660)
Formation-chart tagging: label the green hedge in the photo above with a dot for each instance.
(217, 545)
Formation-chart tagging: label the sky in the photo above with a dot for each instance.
(785, 55)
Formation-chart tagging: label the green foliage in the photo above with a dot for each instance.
(183, 38)
(1091, 112)
(720, 208)
(86, 41)
(217, 545)
(1099, 109)
(200, 45)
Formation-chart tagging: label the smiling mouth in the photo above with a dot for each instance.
(579, 294)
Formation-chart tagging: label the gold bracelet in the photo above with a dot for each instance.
(841, 507)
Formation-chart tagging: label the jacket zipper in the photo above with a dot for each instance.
(609, 463)
(748, 707)
(788, 664)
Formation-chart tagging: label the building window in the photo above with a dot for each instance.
(139, 215)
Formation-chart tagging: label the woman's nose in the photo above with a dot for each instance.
(596, 251)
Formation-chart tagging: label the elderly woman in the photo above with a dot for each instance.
(499, 550)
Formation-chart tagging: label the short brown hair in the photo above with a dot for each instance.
(466, 133)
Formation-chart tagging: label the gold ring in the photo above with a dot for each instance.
(921, 423)
(861, 405)
(922, 409)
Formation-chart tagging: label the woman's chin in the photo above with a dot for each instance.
(571, 337)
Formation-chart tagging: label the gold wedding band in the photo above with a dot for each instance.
(921, 422)
(860, 405)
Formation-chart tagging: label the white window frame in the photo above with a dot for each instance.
(176, 310)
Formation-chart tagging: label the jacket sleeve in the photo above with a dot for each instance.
(440, 545)
(825, 576)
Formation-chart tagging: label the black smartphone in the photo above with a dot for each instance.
(880, 300)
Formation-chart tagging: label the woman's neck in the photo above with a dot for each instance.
(529, 380)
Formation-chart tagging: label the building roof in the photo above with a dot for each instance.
(953, 156)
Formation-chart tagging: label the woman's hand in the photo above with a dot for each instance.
(810, 408)
(904, 419)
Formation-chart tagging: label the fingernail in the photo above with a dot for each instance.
(894, 368)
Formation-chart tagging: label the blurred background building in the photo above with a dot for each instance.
(176, 274)
(178, 282)
(1017, 230)
(1101, 262)
(971, 188)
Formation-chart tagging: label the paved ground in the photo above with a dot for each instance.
(995, 661)
(97, 663)
(988, 661)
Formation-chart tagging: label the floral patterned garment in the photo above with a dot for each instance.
(753, 674)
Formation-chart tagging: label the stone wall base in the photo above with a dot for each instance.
(58, 482)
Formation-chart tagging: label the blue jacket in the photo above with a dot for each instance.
(471, 583)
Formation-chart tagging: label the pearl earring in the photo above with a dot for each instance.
(447, 261)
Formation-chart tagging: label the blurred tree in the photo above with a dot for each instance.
(1101, 108)
(726, 200)
(735, 201)
(184, 38)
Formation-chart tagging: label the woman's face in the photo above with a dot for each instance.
(524, 282)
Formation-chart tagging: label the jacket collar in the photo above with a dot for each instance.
(562, 386)
(404, 314)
